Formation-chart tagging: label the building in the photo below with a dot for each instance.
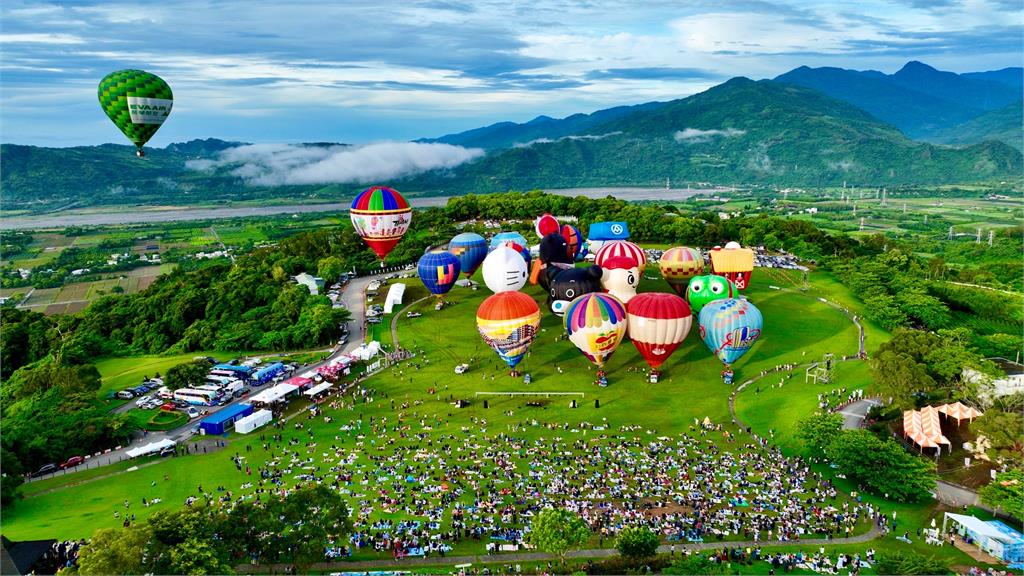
(314, 283)
(222, 420)
(991, 388)
(992, 536)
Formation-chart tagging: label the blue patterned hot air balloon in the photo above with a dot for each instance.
(438, 271)
(470, 249)
(729, 327)
(514, 239)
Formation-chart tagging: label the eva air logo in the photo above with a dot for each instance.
(149, 110)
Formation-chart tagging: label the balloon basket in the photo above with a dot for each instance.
(653, 376)
(514, 373)
(140, 153)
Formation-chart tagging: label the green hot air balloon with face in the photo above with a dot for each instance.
(137, 102)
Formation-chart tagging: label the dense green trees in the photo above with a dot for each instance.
(292, 529)
(637, 542)
(556, 531)
(1006, 492)
(884, 466)
(818, 431)
(187, 374)
(909, 563)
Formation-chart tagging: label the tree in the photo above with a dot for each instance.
(187, 374)
(637, 542)
(11, 478)
(818, 431)
(1003, 431)
(195, 556)
(910, 563)
(309, 517)
(330, 269)
(882, 465)
(1006, 492)
(556, 531)
(114, 551)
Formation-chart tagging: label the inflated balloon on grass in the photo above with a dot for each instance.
(508, 322)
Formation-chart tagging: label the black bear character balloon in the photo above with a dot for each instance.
(569, 283)
(554, 253)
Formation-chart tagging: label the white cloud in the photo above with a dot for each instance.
(696, 135)
(570, 137)
(40, 38)
(278, 164)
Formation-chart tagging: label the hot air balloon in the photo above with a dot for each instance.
(574, 240)
(658, 323)
(470, 249)
(678, 265)
(504, 270)
(596, 323)
(546, 224)
(508, 323)
(734, 263)
(620, 277)
(621, 248)
(515, 240)
(438, 271)
(729, 327)
(381, 216)
(704, 289)
(137, 102)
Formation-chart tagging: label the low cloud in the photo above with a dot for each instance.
(696, 135)
(280, 164)
(570, 137)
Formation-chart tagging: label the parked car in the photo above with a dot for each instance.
(46, 469)
(167, 451)
(192, 412)
(126, 394)
(181, 404)
(169, 407)
(413, 315)
(73, 461)
(143, 400)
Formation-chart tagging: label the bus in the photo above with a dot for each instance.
(219, 380)
(217, 389)
(196, 397)
(227, 373)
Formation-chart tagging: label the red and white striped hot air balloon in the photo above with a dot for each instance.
(658, 323)
(615, 248)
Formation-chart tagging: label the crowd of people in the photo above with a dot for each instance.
(837, 398)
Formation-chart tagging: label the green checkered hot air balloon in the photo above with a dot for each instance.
(137, 102)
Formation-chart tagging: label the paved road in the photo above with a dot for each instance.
(854, 414)
(352, 296)
(406, 563)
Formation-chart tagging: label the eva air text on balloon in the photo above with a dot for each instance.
(148, 110)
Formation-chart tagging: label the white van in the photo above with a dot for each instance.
(233, 386)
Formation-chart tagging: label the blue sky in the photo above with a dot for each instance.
(360, 71)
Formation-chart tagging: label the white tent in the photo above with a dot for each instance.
(394, 298)
(273, 394)
(977, 526)
(366, 351)
(150, 448)
(318, 389)
(253, 421)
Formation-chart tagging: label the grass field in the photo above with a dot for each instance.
(795, 323)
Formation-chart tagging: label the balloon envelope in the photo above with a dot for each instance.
(470, 249)
(574, 240)
(729, 327)
(438, 271)
(704, 289)
(508, 323)
(546, 224)
(504, 270)
(381, 216)
(678, 265)
(596, 324)
(621, 248)
(137, 102)
(658, 322)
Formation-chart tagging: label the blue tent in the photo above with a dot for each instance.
(216, 423)
(268, 372)
(603, 231)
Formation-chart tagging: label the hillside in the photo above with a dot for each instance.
(738, 132)
(918, 99)
(511, 134)
(1005, 125)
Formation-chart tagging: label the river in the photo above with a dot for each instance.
(114, 215)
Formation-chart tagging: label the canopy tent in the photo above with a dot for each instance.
(297, 382)
(318, 389)
(273, 394)
(992, 536)
(394, 297)
(922, 426)
(366, 351)
(150, 448)
(959, 411)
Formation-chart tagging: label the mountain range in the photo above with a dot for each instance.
(808, 127)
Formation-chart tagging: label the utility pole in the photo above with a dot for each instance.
(861, 223)
(991, 236)
(883, 198)
(904, 207)
(977, 239)
(950, 235)
(925, 219)
(854, 208)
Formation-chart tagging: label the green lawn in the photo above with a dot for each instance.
(797, 328)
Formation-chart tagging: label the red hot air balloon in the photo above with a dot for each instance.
(381, 216)
(658, 323)
(615, 248)
(546, 224)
